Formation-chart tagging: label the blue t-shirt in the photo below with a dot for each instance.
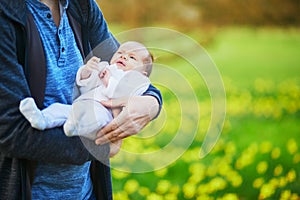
(63, 58)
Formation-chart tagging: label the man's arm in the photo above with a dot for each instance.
(103, 43)
(17, 138)
(153, 91)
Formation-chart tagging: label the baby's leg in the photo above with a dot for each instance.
(53, 116)
(86, 119)
(32, 113)
(56, 114)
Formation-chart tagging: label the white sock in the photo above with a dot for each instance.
(32, 113)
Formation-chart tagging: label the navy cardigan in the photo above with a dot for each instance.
(20, 144)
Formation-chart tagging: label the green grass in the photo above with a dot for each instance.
(245, 54)
(257, 155)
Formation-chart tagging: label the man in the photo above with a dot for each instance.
(41, 43)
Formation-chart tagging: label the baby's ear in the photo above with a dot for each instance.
(145, 73)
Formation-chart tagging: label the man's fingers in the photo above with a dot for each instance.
(111, 137)
(108, 128)
(106, 134)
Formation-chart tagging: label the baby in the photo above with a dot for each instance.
(127, 75)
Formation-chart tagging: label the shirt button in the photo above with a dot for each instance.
(59, 31)
(62, 49)
(48, 15)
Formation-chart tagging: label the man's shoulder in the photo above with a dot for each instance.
(79, 9)
(14, 9)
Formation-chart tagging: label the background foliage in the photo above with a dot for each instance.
(190, 13)
(255, 45)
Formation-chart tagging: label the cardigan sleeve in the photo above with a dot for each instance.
(17, 138)
(103, 43)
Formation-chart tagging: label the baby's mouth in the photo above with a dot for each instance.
(121, 63)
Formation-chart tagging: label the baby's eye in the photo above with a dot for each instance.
(132, 57)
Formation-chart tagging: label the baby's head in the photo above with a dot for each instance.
(133, 56)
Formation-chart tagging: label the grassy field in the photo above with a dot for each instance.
(257, 155)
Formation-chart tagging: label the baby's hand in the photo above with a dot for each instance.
(91, 65)
(104, 76)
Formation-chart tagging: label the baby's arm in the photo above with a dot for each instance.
(87, 77)
(87, 69)
(116, 111)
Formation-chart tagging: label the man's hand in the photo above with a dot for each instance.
(137, 112)
(115, 148)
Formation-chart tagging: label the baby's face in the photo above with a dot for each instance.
(130, 55)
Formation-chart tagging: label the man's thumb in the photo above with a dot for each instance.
(115, 103)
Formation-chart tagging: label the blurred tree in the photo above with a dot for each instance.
(191, 13)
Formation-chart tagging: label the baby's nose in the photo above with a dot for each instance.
(124, 57)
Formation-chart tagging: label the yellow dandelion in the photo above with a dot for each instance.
(162, 172)
(122, 195)
(230, 196)
(196, 178)
(175, 189)
(202, 189)
(204, 197)
(189, 190)
(218, 183)
(144, 191)
(266, 191)
(282, 182)
(286, 194)
(170, 197)
(292, 146)
(262, 167)
(119, 174)
(278, 170)
(163, 186)
(247, 156)
(230, 148)
(196, 168)
(295, 197)
(265, 147)
(291, 175)
(237, 181)
(234, 178)
(154, 196)
(296, 158)
(275, 153)
(198, 172)
(131, 186)
(191, 155)
(224, 169)
(258, 182)
(274, 182)
(262, 85)
(212, 170)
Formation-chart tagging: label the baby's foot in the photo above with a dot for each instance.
(32, 113)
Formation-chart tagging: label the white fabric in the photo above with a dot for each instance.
(88, 115)
(53, 116)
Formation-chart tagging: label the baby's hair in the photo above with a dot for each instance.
(148, 62)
